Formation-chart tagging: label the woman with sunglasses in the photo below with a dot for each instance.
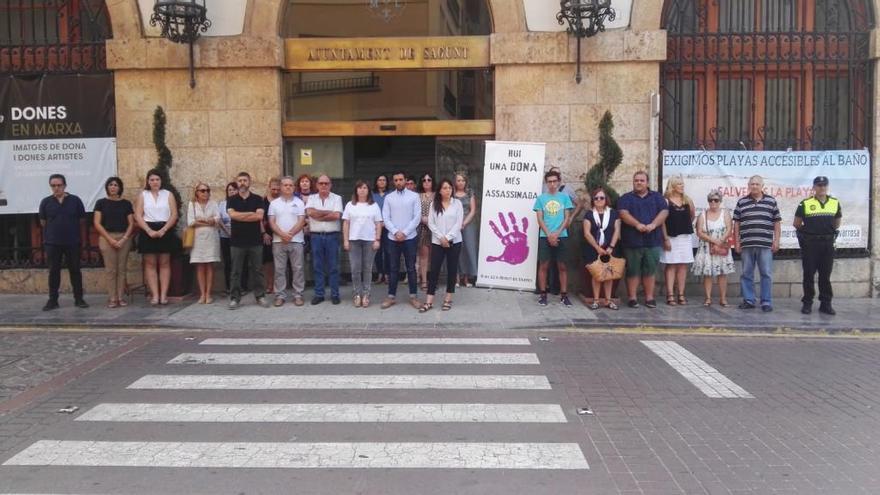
(602, 233)
(204, 215)
(426, 194)
(713, 259)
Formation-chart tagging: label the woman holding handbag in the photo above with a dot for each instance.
(203, 216)
(713, 259)
(602, 233)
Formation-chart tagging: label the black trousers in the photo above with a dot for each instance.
(817, 255)
(439, 254)
(54, 254)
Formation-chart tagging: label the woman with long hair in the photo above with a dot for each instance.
(467, 263)
(714, 259)
(305, 187)
(225, 232)
(114, 222)
(445, 216)
(203, 214)
(361, 237)
(426, 194)
(678, 229)
(602, 233)
(380, 188)
(156, 214)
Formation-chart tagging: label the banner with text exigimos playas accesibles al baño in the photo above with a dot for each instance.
(512, 178)
(55, 124)
(788, 176)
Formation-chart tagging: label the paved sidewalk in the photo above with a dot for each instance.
(476, 309)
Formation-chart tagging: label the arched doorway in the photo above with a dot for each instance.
(41, 40)
(767, 74)
(377, 85)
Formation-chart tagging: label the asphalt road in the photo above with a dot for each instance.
(434, 412)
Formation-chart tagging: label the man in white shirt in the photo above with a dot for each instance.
(402, 212)
(324, 211)
(287, 217)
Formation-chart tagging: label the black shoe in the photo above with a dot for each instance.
(766, 308)
(317, 300)
(542, 301)
(807, 308)
(81, 304)
(827, 309)
(746, 305)
(52, 304)
(334, 300)
(651, 303)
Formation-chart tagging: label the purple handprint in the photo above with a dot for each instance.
(516, 243)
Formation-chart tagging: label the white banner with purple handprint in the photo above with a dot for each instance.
(512, 178)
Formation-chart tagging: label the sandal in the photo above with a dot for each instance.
(670, 300)
(154, 302)
(613, 306)
(707, 302)
(447, 305)
(365, 302)
(112, 304)
(426, 307)
(121, 303)
(682, 301)
(594, 306)
(724, 303)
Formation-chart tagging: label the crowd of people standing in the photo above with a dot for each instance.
(268, 244)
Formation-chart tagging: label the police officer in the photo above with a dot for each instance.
(816, 220)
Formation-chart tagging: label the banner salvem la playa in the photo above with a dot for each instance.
(55, 124)
(512, 178)
(788, 176)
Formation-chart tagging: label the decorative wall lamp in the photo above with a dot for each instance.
(585, 18)
(182, 21)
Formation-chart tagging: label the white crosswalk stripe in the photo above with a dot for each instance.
(352, 382)
(413, 455)
(315, 413)
(364, 341)
(399, 447)
(357, 358)
(703, 376)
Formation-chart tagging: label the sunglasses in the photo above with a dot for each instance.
(427, 179)
(203, 190)
(598, 198)
(56, 185)
(714, 200)
(323, 183)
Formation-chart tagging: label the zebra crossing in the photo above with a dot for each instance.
(448, 386)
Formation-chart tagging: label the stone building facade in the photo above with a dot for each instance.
(234, 118)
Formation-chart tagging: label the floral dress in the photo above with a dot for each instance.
(707, 264)
(424, 232)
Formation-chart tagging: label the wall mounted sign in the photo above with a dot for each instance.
(387, 53)
(55, 124)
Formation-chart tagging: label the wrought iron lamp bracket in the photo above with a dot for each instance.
(182, 21)
(585, 18)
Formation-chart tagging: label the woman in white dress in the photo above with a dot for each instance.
(678, 230)
(714, 228)
(203, 214)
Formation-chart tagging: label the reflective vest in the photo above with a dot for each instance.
(818, 217)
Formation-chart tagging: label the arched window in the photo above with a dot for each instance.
(767, 74)
(378, 18)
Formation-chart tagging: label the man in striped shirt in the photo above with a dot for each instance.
(756, 229)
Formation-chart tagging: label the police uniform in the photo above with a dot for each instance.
(816, 239)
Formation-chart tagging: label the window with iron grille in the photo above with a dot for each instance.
(48, 37)
(767, 74)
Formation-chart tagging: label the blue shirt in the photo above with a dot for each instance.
(553, 206)
(379, 199)
(645, 210)
(62, 220)
(402, 211)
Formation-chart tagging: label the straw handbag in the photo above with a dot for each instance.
(607, 267)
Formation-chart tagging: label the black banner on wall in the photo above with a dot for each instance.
(55, 124)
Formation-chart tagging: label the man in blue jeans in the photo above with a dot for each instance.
(757, 228)
(401, 213)
(324, 211)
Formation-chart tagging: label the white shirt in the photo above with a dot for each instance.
(332, 203)
(402, 211)
(287, 214)
(362, 219)
(159, 209)
(446, 224)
